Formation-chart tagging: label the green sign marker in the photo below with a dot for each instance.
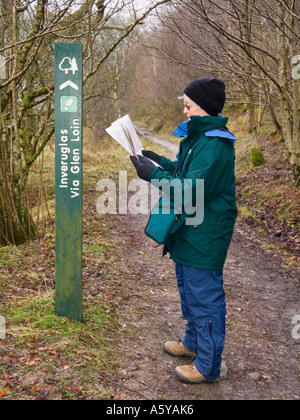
(68, 180)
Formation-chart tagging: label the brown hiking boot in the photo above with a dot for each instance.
(189, 374)
(176, 348)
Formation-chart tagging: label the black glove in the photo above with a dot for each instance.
(152, 155)
(143, 167)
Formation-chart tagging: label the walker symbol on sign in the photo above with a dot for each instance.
(68, 104)
(68, 64)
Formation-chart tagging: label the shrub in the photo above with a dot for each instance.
(257, 158)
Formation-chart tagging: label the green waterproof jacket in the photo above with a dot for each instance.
(211, 159)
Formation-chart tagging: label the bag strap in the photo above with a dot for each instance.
(178, 167)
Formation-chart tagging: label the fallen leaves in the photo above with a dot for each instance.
(3, 392)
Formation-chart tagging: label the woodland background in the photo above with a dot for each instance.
(139, 55)
(140, 66)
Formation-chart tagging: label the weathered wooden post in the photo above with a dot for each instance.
(68, 180)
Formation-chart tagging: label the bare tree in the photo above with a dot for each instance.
(28, 31)
(253, 43)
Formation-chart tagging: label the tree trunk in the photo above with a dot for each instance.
(288, 44)
(16, 225)
(295, 157)
(249, 70)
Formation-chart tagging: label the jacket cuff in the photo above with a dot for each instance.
(155, 174)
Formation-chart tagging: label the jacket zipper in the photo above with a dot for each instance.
(214, 348)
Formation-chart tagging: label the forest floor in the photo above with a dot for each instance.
(131, 307)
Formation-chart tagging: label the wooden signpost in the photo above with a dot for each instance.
(68, 180)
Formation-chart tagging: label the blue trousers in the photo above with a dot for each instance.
(203, 306)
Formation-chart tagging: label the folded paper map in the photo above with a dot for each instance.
(124, 133)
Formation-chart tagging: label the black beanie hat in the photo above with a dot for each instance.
(208, 93)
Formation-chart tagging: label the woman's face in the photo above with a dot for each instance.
(191, 109)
